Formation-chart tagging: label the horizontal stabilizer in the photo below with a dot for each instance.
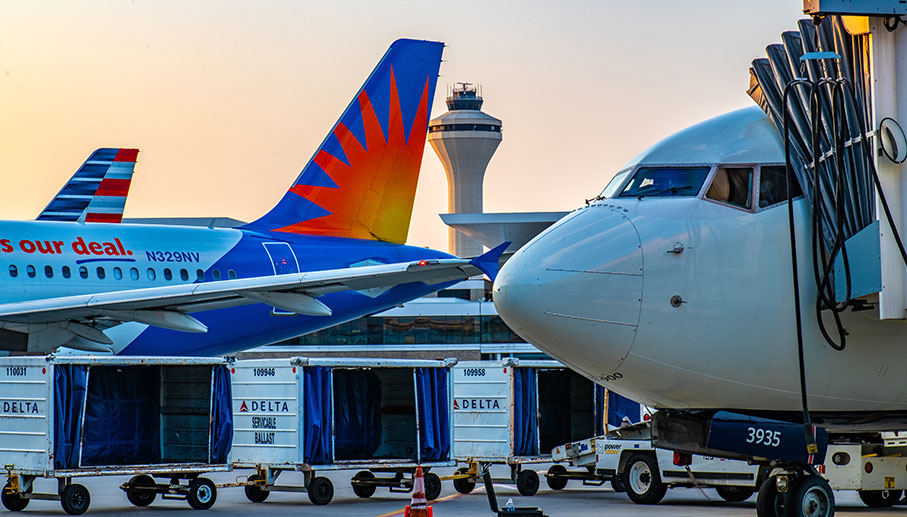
(490, 262)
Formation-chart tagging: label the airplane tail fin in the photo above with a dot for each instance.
(361, 182)
(97, 191)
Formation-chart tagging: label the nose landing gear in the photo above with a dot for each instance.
(795, 492)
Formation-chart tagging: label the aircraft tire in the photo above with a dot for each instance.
(810, 496)
(769, 502)
(643, 480)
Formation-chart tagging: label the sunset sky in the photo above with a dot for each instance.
(227, 100)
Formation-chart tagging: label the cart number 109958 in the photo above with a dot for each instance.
(763, 437)
(475, 372)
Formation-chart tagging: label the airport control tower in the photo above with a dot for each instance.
(464, 138)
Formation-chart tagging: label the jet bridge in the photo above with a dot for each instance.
(837, 151)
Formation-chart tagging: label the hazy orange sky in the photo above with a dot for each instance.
(227, 100)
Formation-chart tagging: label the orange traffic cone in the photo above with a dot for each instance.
(419, 505)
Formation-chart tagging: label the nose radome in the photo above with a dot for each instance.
(575, 292)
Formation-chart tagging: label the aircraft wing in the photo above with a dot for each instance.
(169, 306)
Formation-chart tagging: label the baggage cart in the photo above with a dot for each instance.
(507, 412)
(382, 417)
(64, 417)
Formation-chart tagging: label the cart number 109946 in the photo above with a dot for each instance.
(763, 437)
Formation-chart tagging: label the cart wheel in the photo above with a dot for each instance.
(464, 485)
(202, 493)
(141, 497)
(255, 493)
(643, 481)
(812, 496)
(734, 494)
(75, 499)
(321, 490)
(363, 490)
(432, 486)
(617, 484)
(880, 498)
(555, 478)
(12, 501)
(527, 482)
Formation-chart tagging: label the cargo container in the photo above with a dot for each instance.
(382, 417)
(64, 417)
(515, 412)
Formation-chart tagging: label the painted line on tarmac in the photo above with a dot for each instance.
(450, 497)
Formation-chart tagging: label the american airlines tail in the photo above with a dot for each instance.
(361, 182)
(97, 192)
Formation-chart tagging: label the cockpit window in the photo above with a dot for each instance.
(666, 181)
(773, 185)
(614, 184)
(732, 185)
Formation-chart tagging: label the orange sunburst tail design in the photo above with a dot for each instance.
(361, 182)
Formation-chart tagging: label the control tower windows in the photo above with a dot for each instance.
(733, 185)
(773, 187)
(666, 181)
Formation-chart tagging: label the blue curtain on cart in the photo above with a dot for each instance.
(357, 414)
(222, 416)
(122, 416)
(525, 414)
(316, 389)
(434, 413)
(70, 384)
(620, 407)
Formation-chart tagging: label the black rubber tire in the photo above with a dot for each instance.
(812, 492)
(255, 493)
(202, 494)
(735, 494)
(554, 477)
(75, 499)
(12, 502)
(432, 486)
(642, 479)
(877, 499)
(617, 484)
(141, 497)
(769, 503)
(364, 491)
(527, 482)
(320, 490)
(464, 485)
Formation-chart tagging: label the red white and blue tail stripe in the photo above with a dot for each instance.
(97, 192)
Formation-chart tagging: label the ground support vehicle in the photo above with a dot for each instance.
(876, 467)
(507, 412)
(382, 417)
(64, 417)
(627, 458)
(582, 456)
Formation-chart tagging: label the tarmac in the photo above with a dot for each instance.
(575, 500)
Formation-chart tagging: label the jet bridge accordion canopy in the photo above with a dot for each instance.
(768, 78)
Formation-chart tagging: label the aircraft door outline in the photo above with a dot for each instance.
(283, 261)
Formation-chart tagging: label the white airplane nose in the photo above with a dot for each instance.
(575, 291)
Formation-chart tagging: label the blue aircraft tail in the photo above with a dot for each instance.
(361, 182)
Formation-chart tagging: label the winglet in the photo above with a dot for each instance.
(489, 262)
